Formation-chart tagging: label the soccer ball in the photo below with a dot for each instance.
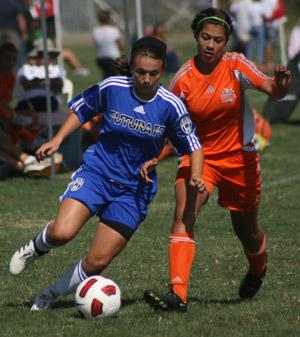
(98, 296)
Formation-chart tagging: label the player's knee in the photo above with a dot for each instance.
(184, 218)
(95, 264)
(179, 226)
(59, 234)
(252, 242)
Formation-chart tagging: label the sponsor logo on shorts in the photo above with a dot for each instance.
(186, 125)
(76, 184)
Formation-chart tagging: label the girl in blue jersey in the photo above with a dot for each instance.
(138, 114)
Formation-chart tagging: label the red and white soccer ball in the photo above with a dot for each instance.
(98, 296)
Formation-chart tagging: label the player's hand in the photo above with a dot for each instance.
(198, 183)
(148, 167)
(282, 77)
(47, 149)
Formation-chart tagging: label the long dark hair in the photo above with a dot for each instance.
(212, 15)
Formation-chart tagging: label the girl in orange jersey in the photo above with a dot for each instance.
(213, 84)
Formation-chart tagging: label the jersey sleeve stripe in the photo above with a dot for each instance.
(174, 100)
(241, 58)
(76, 105)
(194, 142)
(180, 112)
(80, 105)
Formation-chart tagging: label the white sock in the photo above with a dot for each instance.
(68, 282)
(40, 241)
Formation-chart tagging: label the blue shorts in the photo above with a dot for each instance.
(118, 206)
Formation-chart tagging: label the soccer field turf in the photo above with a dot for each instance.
(214, 308)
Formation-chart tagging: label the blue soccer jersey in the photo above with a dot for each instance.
(132, 130)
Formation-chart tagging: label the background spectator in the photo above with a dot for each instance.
(32, 79)
(12, 155)
(173, 62)
(109, 43)
(294, 42)
(32, 92)
(281, 111)
(13, 27)
(274, 12)
(34, 22)
(240, 37)
(257, 32)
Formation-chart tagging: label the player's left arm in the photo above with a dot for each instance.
(278, 86)
(197, 162)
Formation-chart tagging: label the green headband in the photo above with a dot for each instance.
(216, 19)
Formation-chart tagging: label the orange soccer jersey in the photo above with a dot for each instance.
(217, 104)
(225, 126)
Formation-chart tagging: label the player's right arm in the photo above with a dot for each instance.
(197, 162)
(71, 124)
(83, 108)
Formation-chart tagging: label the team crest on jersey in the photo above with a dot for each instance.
(228, 95)
(76, 184)
(210, 90)
(186, 125)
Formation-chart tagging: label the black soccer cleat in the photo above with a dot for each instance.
(250, 285)
(168, 302)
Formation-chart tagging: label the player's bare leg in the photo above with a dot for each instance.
(107, 243)
(71, 216)
(253, 239)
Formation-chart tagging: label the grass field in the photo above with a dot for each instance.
(214, 308)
